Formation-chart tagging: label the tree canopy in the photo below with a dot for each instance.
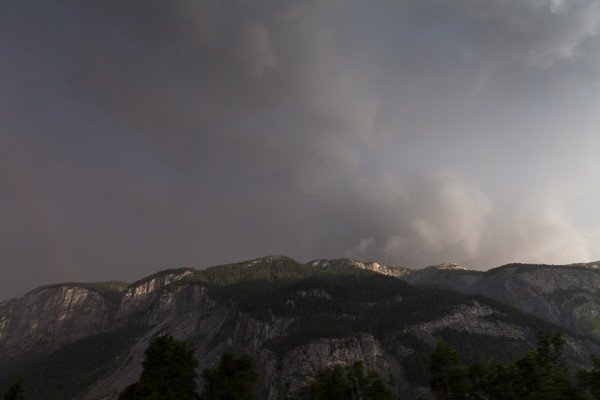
(16, 391)
(540, 374)
(169, 372)
(232, 379)
(352, 383)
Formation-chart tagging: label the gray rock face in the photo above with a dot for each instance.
(50, 317)
(366, 265)
(471, 318)
(565, 295)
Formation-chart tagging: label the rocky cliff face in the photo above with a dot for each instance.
(341, 263)
(51, 317)
(566, 295)
(212, 327)
(471, 318)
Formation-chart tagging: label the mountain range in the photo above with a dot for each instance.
(86, 341)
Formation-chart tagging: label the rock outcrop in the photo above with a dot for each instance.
(180, 302)
(566, 295)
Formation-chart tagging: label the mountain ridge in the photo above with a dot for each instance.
(293, 318)
(373, 266)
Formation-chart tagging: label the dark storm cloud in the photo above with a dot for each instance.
(222, 87)
(146, 135)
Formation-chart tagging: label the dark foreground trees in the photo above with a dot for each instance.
(16, 391)
(589, 381)
(448, 375)
(233, 379)
(540, 374)
(339, 384)
(169, 373)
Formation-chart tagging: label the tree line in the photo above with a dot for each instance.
(169, 373)
(541, 374)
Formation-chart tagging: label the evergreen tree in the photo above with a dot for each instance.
(499, 381)
(542, 373)
(233, 379)
(476, 378)
(448, 376)
(169, 373)
(369, 387)
(352, 384)
(589, 381)
(330, 384)
(15, 391)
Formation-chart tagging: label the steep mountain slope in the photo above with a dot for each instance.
(567, 295)
(86, 341)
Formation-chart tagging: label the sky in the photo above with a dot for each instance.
(144, 135)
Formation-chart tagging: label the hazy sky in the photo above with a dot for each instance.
(137, 136)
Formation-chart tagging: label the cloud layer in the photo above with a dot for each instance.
(156, 134)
